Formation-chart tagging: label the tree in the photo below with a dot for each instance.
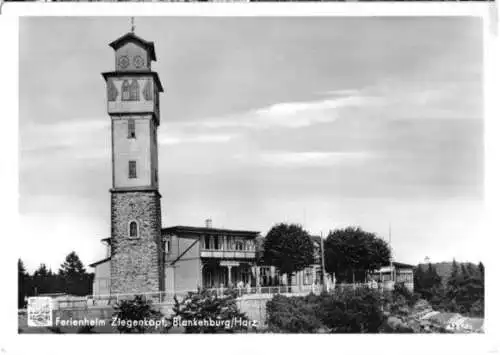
(454, 272)
(74, 278)
(419, 279)
(453, 280)
(464, 271)
(22, 283)
(463, 292)
(353, 250)
(428, 284)
(481, 270)
(452, 287)
(471, 269)
(469, 295)
(42, 271)
(289, 248)
(42, 280)
(72, 266)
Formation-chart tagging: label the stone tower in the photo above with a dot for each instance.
(133, 106)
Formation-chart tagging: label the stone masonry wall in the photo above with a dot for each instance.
(136, 264)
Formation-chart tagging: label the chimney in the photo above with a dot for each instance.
(208, 223)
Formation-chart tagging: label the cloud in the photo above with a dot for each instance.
(293, 114)
(182, 138)
(421, 98)
(303, 114)
(307, 159)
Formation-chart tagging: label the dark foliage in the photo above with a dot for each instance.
(22, 283)
(218, 310)
(400, 290)
(289, 248)
(427, 283)
(462, 292)
(356, 311)
(71, 279)
(293, 314)
(135, 310)
(352, 251)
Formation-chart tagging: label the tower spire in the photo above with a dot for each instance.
(132, 24)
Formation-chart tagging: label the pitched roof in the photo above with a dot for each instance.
(132, 37)
(100, 262)
(402, 265)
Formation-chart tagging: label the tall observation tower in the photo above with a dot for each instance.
(133, 90)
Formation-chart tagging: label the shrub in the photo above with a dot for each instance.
(215, 312)
(133, 312)
(401, 290)
(356, 311)
(350, 311)
(293, 314)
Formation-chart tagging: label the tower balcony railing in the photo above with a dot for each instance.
(227, 254)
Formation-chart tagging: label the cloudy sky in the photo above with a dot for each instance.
(327, 122)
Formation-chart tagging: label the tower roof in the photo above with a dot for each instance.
(131, 37)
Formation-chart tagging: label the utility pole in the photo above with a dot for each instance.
(390, 246)
(323, 271)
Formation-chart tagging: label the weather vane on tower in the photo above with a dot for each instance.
(132, 24)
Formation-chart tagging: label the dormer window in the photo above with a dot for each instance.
(133, 230)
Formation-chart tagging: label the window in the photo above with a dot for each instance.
(131, 128)
(134, 91)
(125, 90)
(207, 242)
(216, 243)
(130, 91)
(167, 246)
(132, 229)
(308, 276)
(239, 245)
(265, 276)
(132, 169)
(319, 276)
(147, 92)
